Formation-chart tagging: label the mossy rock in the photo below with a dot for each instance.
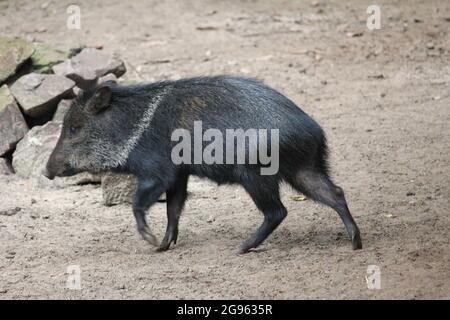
(13, 53)
(45, 57)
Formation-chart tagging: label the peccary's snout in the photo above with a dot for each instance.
(47, 174)
(51, 169)
(55, 165)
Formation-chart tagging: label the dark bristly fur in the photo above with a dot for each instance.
(128, 129)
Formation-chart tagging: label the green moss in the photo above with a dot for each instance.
(45, 57)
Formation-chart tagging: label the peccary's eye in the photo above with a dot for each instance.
(72, 131)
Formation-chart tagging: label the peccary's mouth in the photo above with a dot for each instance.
(49, 174)
(67, 172)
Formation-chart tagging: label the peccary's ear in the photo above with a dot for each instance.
(99, 101)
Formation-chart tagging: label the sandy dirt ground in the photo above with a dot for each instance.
(382, 96)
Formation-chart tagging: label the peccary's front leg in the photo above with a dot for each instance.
(147, 193)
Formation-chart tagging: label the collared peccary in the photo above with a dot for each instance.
(129, 129)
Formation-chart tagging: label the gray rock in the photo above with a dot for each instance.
(76, 91)
(5, 169)
(117, 188)
(90, 64)
(61, 110)
(12, 123)
(33, 151)
(13, 53)
(108, 77)
(39, 94)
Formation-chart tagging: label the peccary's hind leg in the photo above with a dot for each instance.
(147, 193)
(176, 196)
(320, 188)
(267, 198)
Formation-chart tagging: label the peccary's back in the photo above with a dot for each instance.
(232, 103)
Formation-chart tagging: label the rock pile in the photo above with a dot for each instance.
(37, 85)
(12, 123)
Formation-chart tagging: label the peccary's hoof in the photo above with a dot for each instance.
(149, 236)
(164, 246)
(169, 238)
(356, 242)
(241, 252)
(244, 249)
